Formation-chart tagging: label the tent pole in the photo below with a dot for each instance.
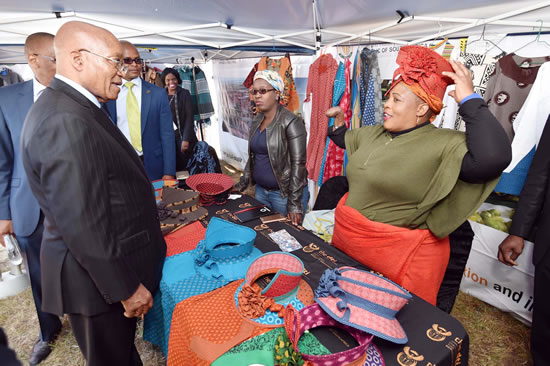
(36, 18)
(265, 37)
(484, 21)
(104, 22)
(355, 36)
(352, 37)
(512, 23)
(151, 33)
(190, 40)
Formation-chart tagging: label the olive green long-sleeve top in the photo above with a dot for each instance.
(411, 180)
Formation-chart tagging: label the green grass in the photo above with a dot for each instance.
(496, 338)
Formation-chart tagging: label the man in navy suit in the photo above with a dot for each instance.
(143, 107)
(19, 211)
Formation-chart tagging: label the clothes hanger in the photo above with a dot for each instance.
(536, 40)
(344, 51)
(482, 38)
(436, 37)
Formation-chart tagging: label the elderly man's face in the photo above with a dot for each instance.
(105, 74)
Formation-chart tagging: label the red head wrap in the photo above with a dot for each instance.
(420, 69)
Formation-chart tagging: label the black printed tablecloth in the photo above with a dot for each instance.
(435, 337)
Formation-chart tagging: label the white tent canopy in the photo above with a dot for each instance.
(218, 29)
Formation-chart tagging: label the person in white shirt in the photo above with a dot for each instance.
(20, 213)
(142, 113)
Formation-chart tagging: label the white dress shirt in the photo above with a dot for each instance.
(79, 88)
(37, 89)
(121, 115)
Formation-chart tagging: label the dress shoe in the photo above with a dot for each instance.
(40, 351)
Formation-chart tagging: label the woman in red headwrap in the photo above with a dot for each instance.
(410, 183)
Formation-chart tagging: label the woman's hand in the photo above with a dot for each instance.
(295, 217)
(338, 114)
(462, 77)
(184, 146)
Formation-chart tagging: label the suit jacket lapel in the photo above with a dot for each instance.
(103, 120)
(107, 124)
(26, 100)
(145, 104)
(110, 107)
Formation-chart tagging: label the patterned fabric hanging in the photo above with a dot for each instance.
(289, 97)
(335, 154)
(320, 84)
(200, 93)
(337, 94)
(370, 90)
(355, 88)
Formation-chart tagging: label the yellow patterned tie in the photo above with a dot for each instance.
(134, 117)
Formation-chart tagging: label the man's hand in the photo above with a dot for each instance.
(168, 177)
(462, 77)
(338, 114)
(510, 249)
(6, 227)
(295, 217)
(138, 304)
(184, 146)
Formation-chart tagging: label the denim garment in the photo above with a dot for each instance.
(275, 201)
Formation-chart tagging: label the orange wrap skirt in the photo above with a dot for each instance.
(414, 259)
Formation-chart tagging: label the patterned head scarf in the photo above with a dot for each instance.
(272, 77)
(420, 69)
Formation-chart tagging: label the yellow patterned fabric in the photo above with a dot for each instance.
(134, 117)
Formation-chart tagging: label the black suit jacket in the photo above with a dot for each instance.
(101, 233)
(532, 217)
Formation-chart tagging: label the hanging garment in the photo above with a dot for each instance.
(306, 109)
(355, 92)
(250, 78)
(337, 94)
(320, 85)
(206, 326)
(528, 127)
(289, 97)
(335, 155)
(508, 88)
(370, 93)
(355, 100)
(202, 101)
(223, 256)
(482, 67)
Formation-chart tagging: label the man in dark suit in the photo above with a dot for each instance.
(102, 249)
(142, 114)
(19, 210)
(532, 220)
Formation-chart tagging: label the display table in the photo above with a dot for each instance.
(435, 338)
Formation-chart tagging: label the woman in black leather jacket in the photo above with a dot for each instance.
(276, 151)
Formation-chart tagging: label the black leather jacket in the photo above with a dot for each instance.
(286, 147)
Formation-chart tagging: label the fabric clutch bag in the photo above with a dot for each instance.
(251, 213)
